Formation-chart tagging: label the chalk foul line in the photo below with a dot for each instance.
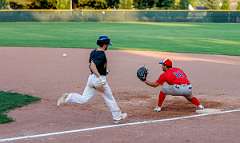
(114, 126)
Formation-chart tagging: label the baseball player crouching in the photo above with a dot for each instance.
(174, 82)
(97, 82)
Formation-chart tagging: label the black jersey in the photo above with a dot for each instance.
(100, 60)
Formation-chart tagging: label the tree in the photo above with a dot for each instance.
(126, 4)
(226, 5)
(113, 3)
(212, 4)
(3, 4)
(194, 2)
(96, 4)
(63, 4)
(166, 4)
(43, 4)
(142, 4)
(238, 6)
(183, 4)
(75, 3)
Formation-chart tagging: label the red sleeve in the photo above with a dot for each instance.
(161, 79)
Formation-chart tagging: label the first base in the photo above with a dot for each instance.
(208, 111)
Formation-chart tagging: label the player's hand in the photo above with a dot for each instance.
(100, 82)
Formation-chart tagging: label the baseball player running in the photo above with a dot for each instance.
(97, 82)
(176, 84)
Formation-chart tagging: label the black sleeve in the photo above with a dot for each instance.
(90, 57)
(93, 56)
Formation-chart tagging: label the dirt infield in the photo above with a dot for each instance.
(47, 74)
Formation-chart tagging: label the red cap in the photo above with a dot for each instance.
(167, 63)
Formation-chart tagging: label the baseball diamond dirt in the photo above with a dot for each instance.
(46, 73)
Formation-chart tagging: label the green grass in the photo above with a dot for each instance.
(9, 101)
(209, 38)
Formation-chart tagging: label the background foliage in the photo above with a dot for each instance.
(116, 4)
(225, 5)
(238, 7)
(3, 4)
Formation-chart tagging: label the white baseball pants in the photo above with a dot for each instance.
(177, 90)
(91, 91)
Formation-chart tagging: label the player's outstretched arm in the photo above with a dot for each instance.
(152, 84)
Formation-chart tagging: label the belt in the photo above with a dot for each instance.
(183, 84)
(94, 74)
(178, 85)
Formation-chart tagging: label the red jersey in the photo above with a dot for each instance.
(173, 76)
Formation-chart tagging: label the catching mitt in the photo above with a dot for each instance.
(142, 73)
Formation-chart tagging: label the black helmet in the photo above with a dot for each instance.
(103, 39)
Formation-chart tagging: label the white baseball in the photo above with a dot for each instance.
(64, 54)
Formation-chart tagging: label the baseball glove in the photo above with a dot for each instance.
(142, 73)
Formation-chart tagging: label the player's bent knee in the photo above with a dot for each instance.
(188, 97)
